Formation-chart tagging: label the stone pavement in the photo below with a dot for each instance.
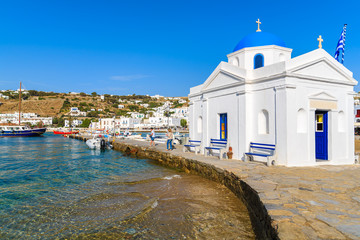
(320, 202)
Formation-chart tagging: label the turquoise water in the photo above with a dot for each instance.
(53, 187)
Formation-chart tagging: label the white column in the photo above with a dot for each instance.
(312, 143)
(205, 131)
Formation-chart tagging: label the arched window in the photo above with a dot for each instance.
(341, 122)
(258, 61)
(199, 125)
(263, 122)
(301, 121)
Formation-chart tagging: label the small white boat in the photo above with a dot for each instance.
(98, 143)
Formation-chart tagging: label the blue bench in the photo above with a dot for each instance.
(192, 144)
(218, 145)
(261, 150)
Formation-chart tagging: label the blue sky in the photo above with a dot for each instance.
(153, 47)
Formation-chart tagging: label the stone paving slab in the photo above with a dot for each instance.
(320, 202)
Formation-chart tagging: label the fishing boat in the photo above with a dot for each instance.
(13, 130)
(65, 133)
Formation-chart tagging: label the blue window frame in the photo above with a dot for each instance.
(258, 61)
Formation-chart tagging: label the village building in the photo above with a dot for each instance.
(302, 105)
(109, 124)
(75, 112)
(31, 118)
(4, 96)
(74, 123)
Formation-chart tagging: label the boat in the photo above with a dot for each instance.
(98, 143)
(66, 133)
(13, 130)
(20, 131)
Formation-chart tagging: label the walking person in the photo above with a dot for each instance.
(152, 137)
(170, 137)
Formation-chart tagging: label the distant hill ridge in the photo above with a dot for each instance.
(57, 105)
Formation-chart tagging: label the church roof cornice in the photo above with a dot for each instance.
(320, 79)
(317, 55)
(227, 69)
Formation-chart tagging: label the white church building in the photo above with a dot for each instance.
(303, 105)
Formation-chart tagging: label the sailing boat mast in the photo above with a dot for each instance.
(20, 105)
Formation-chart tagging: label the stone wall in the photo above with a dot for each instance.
(260, 218)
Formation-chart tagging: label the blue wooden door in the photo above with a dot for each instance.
(321, 135)
(223, 126)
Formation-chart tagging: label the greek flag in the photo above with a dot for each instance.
(340, 48)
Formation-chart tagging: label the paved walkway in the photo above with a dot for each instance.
(305, 202)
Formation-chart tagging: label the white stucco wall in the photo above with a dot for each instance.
(290, 92)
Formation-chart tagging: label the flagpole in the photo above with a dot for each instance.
(343, 51)
(340, 47)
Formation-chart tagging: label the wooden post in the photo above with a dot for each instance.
(20, 105)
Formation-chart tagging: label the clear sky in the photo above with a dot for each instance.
(153, 47)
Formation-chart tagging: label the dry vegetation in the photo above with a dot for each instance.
(48, 107)
(59, 105)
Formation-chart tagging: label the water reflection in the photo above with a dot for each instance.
(53, 187)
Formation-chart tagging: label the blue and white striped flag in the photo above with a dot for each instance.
(340, 48)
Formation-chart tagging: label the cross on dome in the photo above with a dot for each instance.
(258, 22)
(320, 41)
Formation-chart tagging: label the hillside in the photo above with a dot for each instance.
(57, 105)
(49, 107)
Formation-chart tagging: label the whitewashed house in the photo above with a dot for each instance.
(157, 96)
(31, 118)
(303, 105)
(180, 112)
(137, 115)
(4, 96)
(145, 105)
(74, 123)
(75, 112)
(182, 101)
(357, 113)
(108, 124)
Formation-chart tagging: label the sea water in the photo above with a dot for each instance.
(53, 187)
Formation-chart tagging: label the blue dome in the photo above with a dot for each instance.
(257, 39)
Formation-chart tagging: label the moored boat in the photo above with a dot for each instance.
(20, 131)
(66, 133)
(13, 130)
(98, 143)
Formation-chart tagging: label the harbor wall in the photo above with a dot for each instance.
(261, 221)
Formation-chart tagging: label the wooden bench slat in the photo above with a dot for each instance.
(262, 144)
(262, 148)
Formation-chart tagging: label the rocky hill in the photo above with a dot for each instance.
(49, 107)
(57, 105)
